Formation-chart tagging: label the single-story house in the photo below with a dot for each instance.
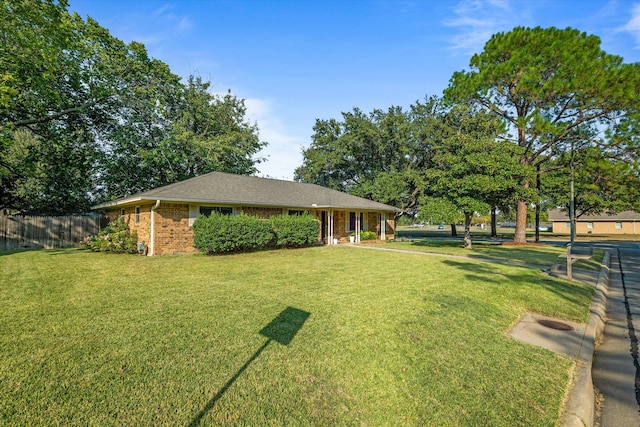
(627, 222)
(163, 217)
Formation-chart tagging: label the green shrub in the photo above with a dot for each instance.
(115, 237)
(295, 231)
(225, 233)
(368, 235)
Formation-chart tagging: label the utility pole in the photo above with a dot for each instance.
(572, 202)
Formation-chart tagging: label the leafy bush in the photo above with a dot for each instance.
(368, 235)
(115, 237)
(295, 231)
(224, 233)
(220, 233)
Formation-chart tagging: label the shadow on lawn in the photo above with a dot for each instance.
(487, 273)
(282, 329)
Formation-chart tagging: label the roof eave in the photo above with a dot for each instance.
(119, 202)
(132, 200)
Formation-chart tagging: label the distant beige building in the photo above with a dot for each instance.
(627, 222)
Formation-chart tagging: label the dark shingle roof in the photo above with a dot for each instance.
(558, 215)
(225, 188)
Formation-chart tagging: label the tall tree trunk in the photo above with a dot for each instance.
(538, 204)
(467, 230)
(520, 235)
(537, 222)
(494, 222)
(454, 232)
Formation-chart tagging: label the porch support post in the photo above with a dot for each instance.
(383, 225)
(358, 213)
(152, 235)
(330, 227)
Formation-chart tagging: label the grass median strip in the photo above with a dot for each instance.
(353, 337)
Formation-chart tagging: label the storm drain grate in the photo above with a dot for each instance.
(553, 324)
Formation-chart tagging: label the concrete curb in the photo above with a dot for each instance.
(579, 408)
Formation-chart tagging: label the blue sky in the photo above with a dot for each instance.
(295, 61)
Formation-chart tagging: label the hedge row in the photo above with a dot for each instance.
(225, 233)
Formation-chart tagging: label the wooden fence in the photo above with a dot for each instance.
(31, 232)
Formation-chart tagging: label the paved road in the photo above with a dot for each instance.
(616, 365)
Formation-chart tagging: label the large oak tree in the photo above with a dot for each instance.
(381, 155)
(85, 117)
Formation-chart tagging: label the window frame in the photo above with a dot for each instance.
(137, 215)
(224, 210)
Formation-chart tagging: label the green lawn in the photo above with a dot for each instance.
(318, 336)
(537, 255)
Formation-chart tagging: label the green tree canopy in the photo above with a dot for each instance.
(471, 169)
(381, 155)
(552, 88)
(602, 183)
(85, 117)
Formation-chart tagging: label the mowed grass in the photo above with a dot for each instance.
(536, 255)
(387, 339)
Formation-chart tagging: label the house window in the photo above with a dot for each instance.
(590, 225)
(137, 218)
(122, 213)
(297, 213)
(567, 224)
(618, 225)
(352, 221)
(208, 210)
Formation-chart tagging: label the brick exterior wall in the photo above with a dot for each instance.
(340, 222)
(142, 227)
(372, 220)
(390, 225)
(171, 221)
(173, 235)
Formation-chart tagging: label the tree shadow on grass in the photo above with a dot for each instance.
(495, 250)
(484, 272)
(281, 329)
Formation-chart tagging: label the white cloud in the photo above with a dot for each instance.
(284, 149)
(478, 20)
(164, 13)
(633, 25)
(185, 23)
